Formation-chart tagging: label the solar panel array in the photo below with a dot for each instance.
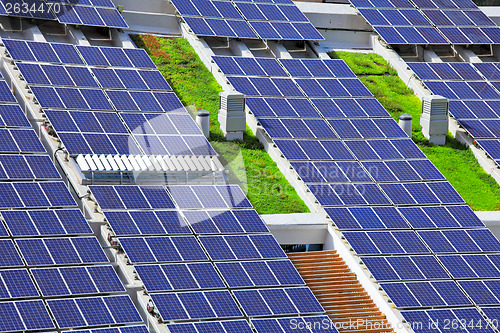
(99, 13)
(103, 100)
(391, 204)
(53, 271)
(203, 254)
(473, 91)
(280, 20)
(429, 22)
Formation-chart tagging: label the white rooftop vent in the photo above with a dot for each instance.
(232, 114)
(148, 163)
(434, 119)
(102, 168)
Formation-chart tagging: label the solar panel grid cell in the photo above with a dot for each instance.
(196, 305)
(444, 18)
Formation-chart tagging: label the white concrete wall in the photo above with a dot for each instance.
(148, 6)
(491, 220)
(333, 16)
(289, 229)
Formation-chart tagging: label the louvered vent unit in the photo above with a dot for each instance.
(232, 114)
(434, 119)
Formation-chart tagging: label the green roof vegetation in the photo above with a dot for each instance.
(455, 160)
(268, 190)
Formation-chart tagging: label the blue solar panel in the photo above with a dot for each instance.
(33, 74)
(108, 78)
(206, 275)
(71, 98)
(250, 66)
(277, 300)
(17, 284)
(153, 278)
(78, 281)
(139, 58)
(19, 50)
(94, 311)
(243, 85)
(180, 277)
(286, 88)
(226, 222)
(265, 87)
(228, 65)
(6, 94)
(196, 305)
(184, 197)
(170, 305)
(201, 222)
(220, 28)
(112, 17)
(107, 197)
(234, 274)
(164, 249)
(265, 30)
(268, 107)
(271, 67)
(391, 35)
(62, 251)
(242, 29)
(182, 328)
(227, 10)
(260, 274)
(12, 116)
(132, 197)
(67, 53)
(199, 26)
(34, 315)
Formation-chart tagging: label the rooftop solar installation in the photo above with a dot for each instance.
(474, 98)
(47, 247)
(86, 13)
(120, 329)
(192, 242)
(130, 133)
(94, 311)
(77, 280)
(251, 20)
(123, 82)
(394, 208)
(219, 326)
(206, 259)
(427, 22)
(70, 54)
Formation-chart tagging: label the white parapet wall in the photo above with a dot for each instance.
(303, 228)
(492, 220)
(333, 16)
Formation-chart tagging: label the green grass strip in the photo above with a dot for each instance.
(268, 190)
(455, 160)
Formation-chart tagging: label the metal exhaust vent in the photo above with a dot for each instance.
(232, 114)
(434, 119)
